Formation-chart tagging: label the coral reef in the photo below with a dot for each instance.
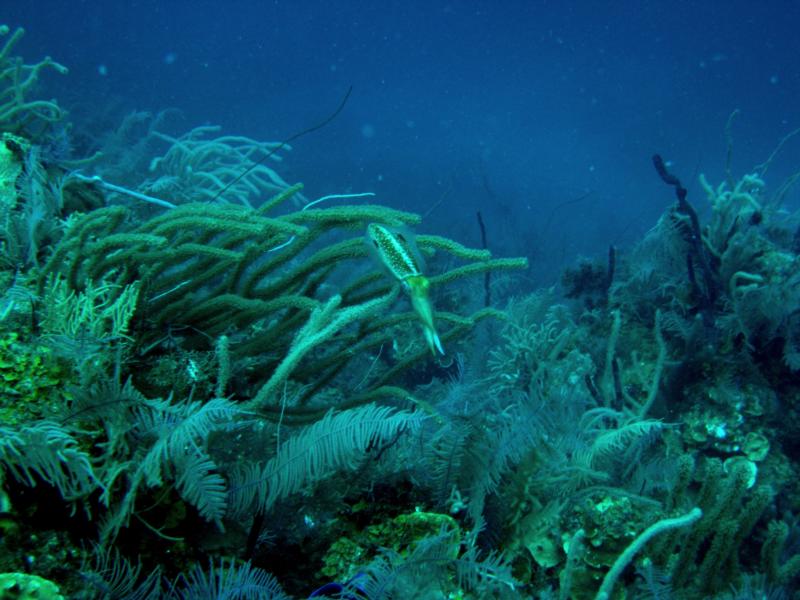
(208, 387)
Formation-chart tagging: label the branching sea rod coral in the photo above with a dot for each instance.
(626, 557)
(17, 80)
(210, 268)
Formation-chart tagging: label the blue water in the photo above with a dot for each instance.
(542, 115)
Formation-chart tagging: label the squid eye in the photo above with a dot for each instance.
(400, 237)
(375, 244)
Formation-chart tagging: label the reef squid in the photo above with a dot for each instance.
(396, 251)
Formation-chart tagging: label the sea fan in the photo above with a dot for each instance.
(229, 581)
(114, 576)
(46, 451)
(429, 569)
(337, 441)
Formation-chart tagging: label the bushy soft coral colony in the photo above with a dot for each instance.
(207, 392)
